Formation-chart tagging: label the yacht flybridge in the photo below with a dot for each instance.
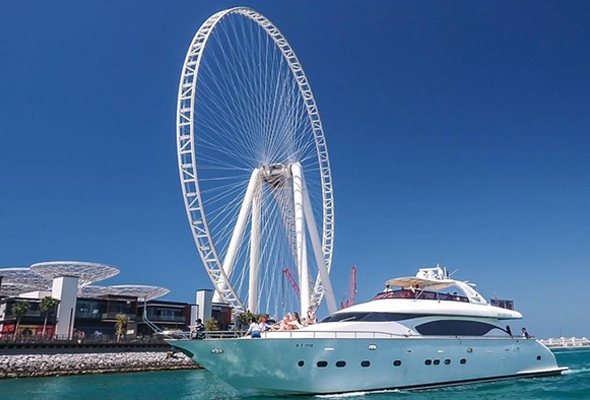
(421, 331)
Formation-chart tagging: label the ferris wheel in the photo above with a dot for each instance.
(254, 166)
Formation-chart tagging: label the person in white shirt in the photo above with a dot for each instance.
(263, 325)
(254, 329)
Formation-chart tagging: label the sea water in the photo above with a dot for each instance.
(201, 385)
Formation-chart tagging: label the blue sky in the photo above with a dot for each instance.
(458, 134)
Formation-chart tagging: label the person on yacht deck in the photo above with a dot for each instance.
(295, 322)
(283, 324)
(311, 316)
(263, 325)
(287, 323)
(508, 330)
(253, 329)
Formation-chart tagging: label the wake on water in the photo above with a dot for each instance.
(356, 394)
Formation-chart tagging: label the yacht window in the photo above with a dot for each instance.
(301, 363)
(455, 328)
(322, 364)
(385, 317)
(421, 294)
(369, 317)
(395, 294)
(341, 364)
(436, 362)
(348, 316)
(427, 362)
(397, 363)
(447, 361)
(365, 363)
(463, 361)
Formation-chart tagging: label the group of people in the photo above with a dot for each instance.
(291, 321)
(524, 334)
(256, 327)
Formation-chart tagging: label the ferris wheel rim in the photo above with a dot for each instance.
(189, 173)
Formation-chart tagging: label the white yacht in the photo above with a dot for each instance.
(422, 331)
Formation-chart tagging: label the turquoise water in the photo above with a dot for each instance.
(201, 385)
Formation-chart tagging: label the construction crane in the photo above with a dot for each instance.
(291, 280)
(352, 290)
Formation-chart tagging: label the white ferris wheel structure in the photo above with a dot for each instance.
(254, 167)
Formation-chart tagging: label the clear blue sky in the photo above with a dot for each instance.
(458, 133)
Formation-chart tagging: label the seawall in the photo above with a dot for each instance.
(37, 361)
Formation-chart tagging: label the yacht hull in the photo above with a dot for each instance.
(308, 364)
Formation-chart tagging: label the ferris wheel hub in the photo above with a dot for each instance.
(275, 174)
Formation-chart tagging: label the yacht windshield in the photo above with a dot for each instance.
(368, 317)
(424, 295)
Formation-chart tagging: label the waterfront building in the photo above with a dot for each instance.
(89, 311)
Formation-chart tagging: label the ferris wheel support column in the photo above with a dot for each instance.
(254, 251)
(302, 267)
(230, 257)
(318, 252)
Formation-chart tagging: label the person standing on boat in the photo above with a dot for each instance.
(508, 330)
(525, 334)
(254, 329)
(311, 317)
(263, 325)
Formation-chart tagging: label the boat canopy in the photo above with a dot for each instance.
(435, 279)
(409, 282)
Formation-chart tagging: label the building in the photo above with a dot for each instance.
(90, 311)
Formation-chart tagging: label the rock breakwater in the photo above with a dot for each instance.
(36, 365)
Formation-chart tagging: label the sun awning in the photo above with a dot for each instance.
(421, 283)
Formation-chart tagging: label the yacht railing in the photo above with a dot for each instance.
(173, 334)
(309, 334)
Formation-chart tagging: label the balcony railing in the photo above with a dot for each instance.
(113, 316)
(166, 318)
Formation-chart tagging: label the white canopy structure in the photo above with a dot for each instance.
(24, 276)
(86, 272)
(94, 291)
(14, 289)
(142, 292)
(40, 277)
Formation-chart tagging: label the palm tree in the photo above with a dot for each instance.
(19, 309)
(121, 325)
(211, 325)
(48, 303)
(244, 319)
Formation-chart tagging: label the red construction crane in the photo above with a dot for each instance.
(352, 291)
(291, 280)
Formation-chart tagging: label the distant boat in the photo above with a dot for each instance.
(566, 343)
(422, 331)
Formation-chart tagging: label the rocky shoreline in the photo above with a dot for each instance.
(40, 365)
